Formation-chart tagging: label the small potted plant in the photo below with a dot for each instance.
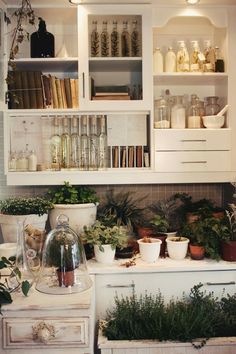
(79, 203)
(15, 210)
(149, 248)
(105, 239)
(195, 231)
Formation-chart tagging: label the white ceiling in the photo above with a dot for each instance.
(157, 2)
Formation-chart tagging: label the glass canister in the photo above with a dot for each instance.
(178, 114)
(161, 114)
(212, 107)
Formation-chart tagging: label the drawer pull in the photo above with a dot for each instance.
(193, 141)
(110, 286)
(185, 162)
(226, 283)
(43, 332)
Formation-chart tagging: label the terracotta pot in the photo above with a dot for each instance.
(196, 252)
(228, 250)
(66, 278)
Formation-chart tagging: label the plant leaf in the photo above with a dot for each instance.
(25, 286)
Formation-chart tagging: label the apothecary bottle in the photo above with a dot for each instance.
(114, 41)
(135, 40)
(170, 61)
(84, 145)
(104, 40)
(178, 114)
(125, 40)
(32, 161)
(210, 56)
(95, 45)
(93, 144)
(12, 161)
(42, 42)
(161, 114)
(55, 145)
(102, 145)
(194, 120)
(158, 63)
(65, 144)
(74, 162)
(212, 107)
(194, 57)
(219, 65)
(182, 57)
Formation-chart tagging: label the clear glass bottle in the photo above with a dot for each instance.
(201, 108)
(161, 114)
(194, 120)
(114, 41)
(32, 161)
(12, 161)
(182, 59)
(22, 162)
(219, 65)
(210, 57)
(55, 145)
(65, 144)
(158, 63)
(125, 40)
(170, 61)
(102, 145)
(74, 136)
(135, 40)
(178, 114)
(212, 107)
(104, 40)
(84, 145)
(194, 57)
(95, 45)
(93, 144)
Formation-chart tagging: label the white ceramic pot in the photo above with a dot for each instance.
(149, 251)
(9, 224)
(8, 249)
(105, 257)
(79, 215)
(177, 249)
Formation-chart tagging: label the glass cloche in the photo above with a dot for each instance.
(64, 269)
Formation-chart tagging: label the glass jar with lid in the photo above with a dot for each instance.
(161, 114)
(64, 269)
(212, 106)
(178, 113)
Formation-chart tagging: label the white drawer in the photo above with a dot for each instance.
(192, 161)
(192, 139)
(20, 333)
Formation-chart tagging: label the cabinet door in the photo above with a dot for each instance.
(125, 78)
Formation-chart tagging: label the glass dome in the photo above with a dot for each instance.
(64, 269)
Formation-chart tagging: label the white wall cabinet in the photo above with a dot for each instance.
(72, 29)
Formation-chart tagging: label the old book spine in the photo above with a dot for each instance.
(68, 92)
(18, 92)
(25, 92)
(39, 89)
(63, 93)
(32, 91)
(54, 92)
(73, 93)
(59, 93)
(115, 156)
(77, 92)
(47, 91)
(123, 157)
(139, 156)
(131, 156)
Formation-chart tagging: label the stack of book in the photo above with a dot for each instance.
(114, 92)
(34, 90)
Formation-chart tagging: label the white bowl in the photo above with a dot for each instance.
(213, 122)
(8, 249)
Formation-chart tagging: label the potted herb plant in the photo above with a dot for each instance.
(79, 203)
(15, 210)
(149, 248)
(105, 239)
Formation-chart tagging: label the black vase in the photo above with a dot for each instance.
(42, 42)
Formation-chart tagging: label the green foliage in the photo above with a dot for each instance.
(226, 228)
(25, 206)
(68, 194)
(14, 272)
(120, 209)
(199, 315)
(100, 234)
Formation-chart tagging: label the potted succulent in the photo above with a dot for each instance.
(79, 203)
(105, 239)
(121, 209)
(15, 210)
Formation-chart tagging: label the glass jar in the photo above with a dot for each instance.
(212, 106)
(178, 114)
(194, 120)
(161, 114)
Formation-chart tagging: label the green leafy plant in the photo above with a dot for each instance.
(68, 194)
(5, 287)
(199, 315)
(25, 206)
(100, 234)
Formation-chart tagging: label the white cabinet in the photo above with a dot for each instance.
(48, 324)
